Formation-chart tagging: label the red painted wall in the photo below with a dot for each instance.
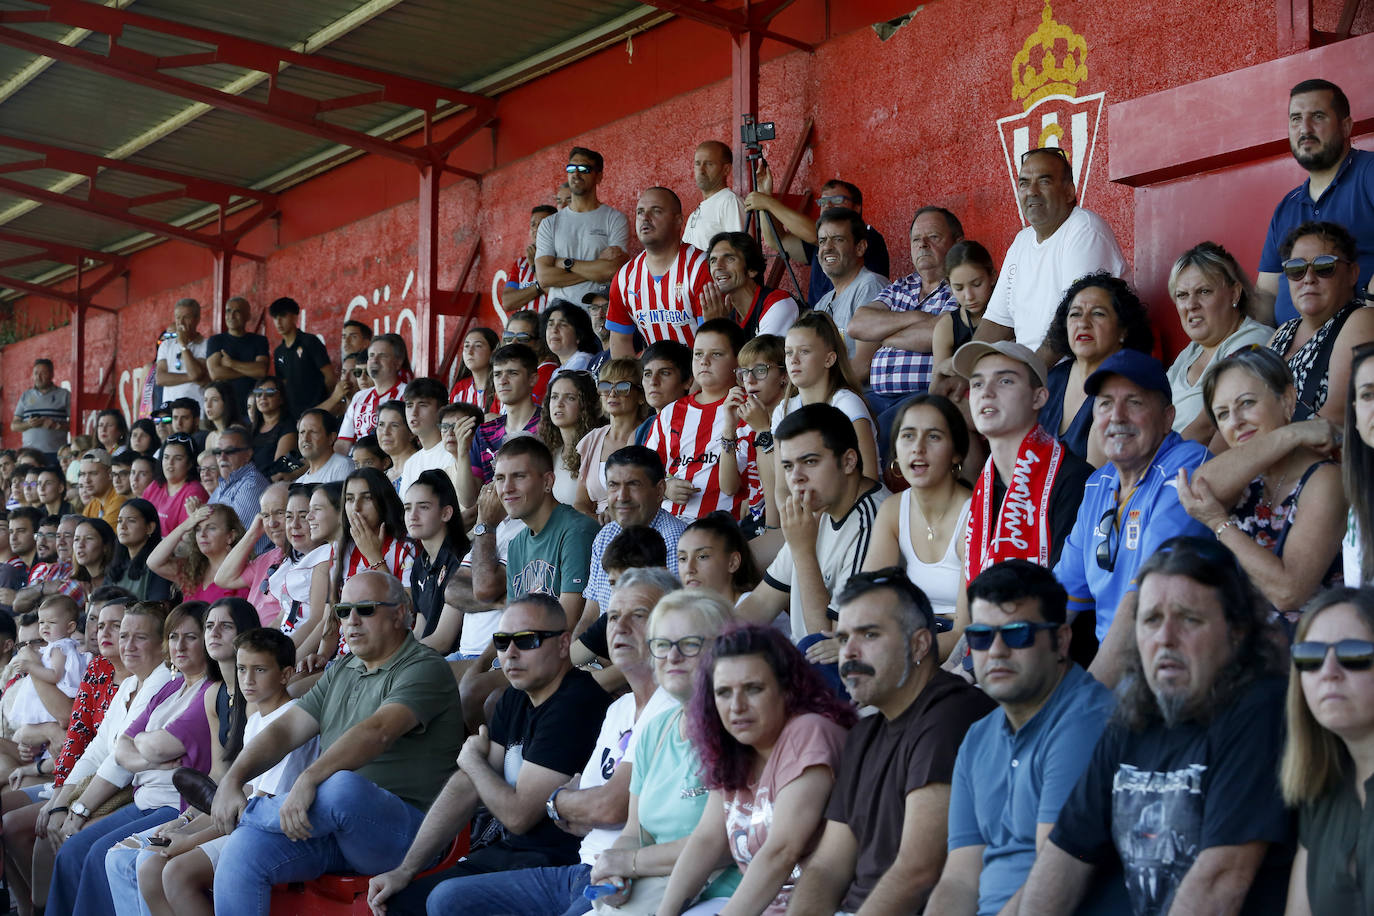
(912, 120)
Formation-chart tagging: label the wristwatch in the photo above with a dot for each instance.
(764, 441)
(551, 808)
(479, 529)
(80, 810)
(568, 264)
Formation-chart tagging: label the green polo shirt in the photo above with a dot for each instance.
(418, 763)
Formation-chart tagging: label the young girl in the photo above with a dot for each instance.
(474, 376)
(174, 494)
(222, 410)
(143, 438)
(972, 275)
(93, 546)
(55, 659)
(571, 410)
(206, 537)
(819, 371)
(307, 584)
(712, 554)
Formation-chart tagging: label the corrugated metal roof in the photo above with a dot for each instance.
(450, 43)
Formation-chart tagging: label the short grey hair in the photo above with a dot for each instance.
(188, 302)
(710, 610)
(242, 433)
(657, 578)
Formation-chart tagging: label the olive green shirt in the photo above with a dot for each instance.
(418, 763)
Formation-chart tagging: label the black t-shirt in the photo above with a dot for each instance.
(265, 443)
(1065, 497)
(594, 638)
(298, 367)
(245, 348)
(1158, 797)
(427, 581)
(559, 735)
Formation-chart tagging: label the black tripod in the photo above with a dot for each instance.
(751, 135)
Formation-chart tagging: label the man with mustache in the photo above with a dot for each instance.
(1017, 766)
(884, 838)
(1130, 505)
(1339, 188)
(1181, 787)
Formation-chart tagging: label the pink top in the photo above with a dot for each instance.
(592, 471)
(256, 572)
(171, 510)
(212, 593)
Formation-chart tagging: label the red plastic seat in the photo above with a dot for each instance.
(344, 895)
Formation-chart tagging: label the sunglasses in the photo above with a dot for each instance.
(1351, 654)
(162, 419)
(262, 391)
(832, 200)
(1106, 553)
(687, 645)
(1016, 635)
(759, 372)
(342, 610)
(525, 640)
(179, 437)
(1052, 150)
(517, 336)
(228, 451)
(40, 642)
(359, 373)
(573, 167)
(620, 388)
(1323, 265)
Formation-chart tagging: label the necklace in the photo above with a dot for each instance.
(1276, 490)
(930, 529)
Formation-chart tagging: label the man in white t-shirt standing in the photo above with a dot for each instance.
(181, 355)
(579, 248)
(1062, 242)
(720, 209)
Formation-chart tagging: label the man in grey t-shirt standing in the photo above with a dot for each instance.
(579, 248)
(43, 412)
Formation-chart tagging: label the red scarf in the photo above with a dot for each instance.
(1021, 529)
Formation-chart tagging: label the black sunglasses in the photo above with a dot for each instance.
(572, 167)
(1323, 265)
(687, 645)
(1016, 635)
(525, 640)
(228, 451)
(359, 373)
(259, 391)
(364, 608)
(1351, 654)
(1106, 554)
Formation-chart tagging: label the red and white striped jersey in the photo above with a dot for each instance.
(747, 460)
(361, 418)
(397, 553)
(465, 392)
(521, 276)
(686, 434)
(662, 308)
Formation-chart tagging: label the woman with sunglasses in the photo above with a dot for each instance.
(204, 540)
(1214, 299)
(568, 333)
(1328, 754)
(138, 534)
(666, 773)
(112, 431)
(1321, 271)
(570, 411)
(1357, 469)
(622, 402)
(769, 732)
(274, 430)
(474, 373)
(93, 547)
(1274, 496)
(143, 437)
(222, 410)
(180, 490)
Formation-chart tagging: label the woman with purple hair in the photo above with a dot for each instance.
(769, 732)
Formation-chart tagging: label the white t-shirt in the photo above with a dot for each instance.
(723, 211)
(479, 625)
(1035, 274)
(613, 746)
(170, 350)
(434, 458)
(1351, 548)
(853, 407)
(582, 237)
(840, 547)
(280, 778)
(291, 583)
(336, 468)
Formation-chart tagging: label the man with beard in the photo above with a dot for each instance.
(720, 209)
(1339, 188)
(1181, 787)
(884, 840)
(579, 248)
(737, 266)
(1017, 766)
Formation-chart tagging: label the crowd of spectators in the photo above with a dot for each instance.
(688, 595)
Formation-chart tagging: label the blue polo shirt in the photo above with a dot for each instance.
(1006, 782)
(1150, 516)
(1348, 200)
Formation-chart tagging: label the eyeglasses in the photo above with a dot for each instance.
(621, 388)
(525, 640)
(1351, 654)
(687, 645)
(228, 451)
(759, 372)
(261, 391)
(1106, 553)
(40, 642)
(1323, 265)
(1051, 150)
(1016, 635)
(517, 337)
(343, 609)
(572, 167)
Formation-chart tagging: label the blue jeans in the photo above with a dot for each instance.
(358, 827)
(121, 869)
(528, 891)
(79, 884)
(884, 407)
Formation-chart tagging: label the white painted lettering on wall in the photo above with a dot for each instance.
(380, 300)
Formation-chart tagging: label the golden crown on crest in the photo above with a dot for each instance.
(1057, 75)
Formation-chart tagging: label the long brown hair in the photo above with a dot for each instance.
(841, 370)
(1357, 470)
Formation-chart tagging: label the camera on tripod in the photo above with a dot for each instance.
(752, 133)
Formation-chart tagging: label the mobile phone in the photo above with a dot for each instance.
(159, 841)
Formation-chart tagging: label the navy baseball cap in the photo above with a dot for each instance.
(1141, 368)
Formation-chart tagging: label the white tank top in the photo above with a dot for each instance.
(940, 580)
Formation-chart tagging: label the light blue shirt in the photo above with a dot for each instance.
(1006, 782)
(241, 492)
(599, 584)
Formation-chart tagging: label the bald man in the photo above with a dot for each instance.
(720, 209)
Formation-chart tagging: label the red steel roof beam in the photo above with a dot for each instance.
(58, 251)
(730, 20)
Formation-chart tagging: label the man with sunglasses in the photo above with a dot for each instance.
(1061, 242)
(884, 837)
(180, 366)
(1339, 188)
(1181, 789)
(301, 360)
(1130, 505)
(389, 726)
(240, 482)
(1017, 766)
(237, 355)
(543, 729)
(316, 431)
(386, 361)
(579, 248)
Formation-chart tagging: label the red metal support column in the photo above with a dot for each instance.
(428, 294)
(744, 89)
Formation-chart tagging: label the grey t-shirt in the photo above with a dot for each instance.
(863, 290)
(582, 237)
(53, 404)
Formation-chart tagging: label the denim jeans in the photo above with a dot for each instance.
(121, 869)
(79, 884)
(884, 407)
(357, 827)
(528, 891)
